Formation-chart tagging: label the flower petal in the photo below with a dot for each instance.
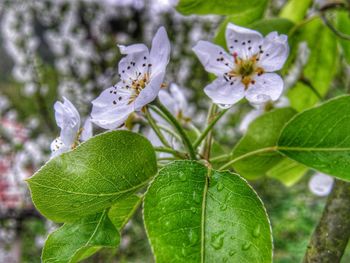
(150, 92)
(160, 51)
(274, 52)
(242, 41)
(135, 48)
(133, 66)
(112, 107)
(268, 86)
(225, 93)
(213, 57)
(87, 132)
(58, 147)
(321, 184)
(68, 119)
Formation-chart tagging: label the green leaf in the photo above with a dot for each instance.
(193, 214)
(75, 241)
(262, 133)
(122, 211)
(98, 173)
(295, 10)
(343, 25)
(319, 138)
(320, 68)
(287, 172)
(265, 26)
(220, 7)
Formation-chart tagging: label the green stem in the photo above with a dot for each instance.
(178, 127)
(208, 128)
(171, 151)
(169, 131)
(154, 126)
(221, 158)
(208, 137)
(263, 150)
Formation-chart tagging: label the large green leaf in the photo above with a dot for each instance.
(75, 241)
(101, 171)
(319, 138)
(262, 133)
(295, 10)
(287, 171)
(220, 7)
(194, 214)
(121, 212)
(343, 25)
(321, 66)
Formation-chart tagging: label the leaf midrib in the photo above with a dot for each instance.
(204, 204)
(92, 194)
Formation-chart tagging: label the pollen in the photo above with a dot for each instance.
(138, 85)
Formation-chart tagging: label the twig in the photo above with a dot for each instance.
(329, 240)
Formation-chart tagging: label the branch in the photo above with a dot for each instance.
(329, 240)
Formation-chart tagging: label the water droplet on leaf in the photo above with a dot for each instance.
(246, 246)
(223, 207)
(256, 232)
(217, 240)
(182, 176)
(220, 186)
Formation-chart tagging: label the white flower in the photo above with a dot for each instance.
(321, 184)
(246, 70)
(141, 75)
(68, 119)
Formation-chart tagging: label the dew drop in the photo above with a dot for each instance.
(193, 237)
(220, 186)
(196, 197)
(232, 252)
(257, 230)
(193, 210)
(223, 207)
(217, 240)
(246, 246)
(182, 176)
(167, 224)
(184, 251)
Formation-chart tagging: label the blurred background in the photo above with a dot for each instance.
(50, 49)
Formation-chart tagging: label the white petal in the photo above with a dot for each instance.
(87, 130)
(133, 66)
(112, 107)
(268, 86)
(160, 51)
(150, 92)
(179, 97)
(58, 147)
(168, 101)
(213, 57)
(321, 184)
(242, 41)
(274, 52)
(68, 119)
(225, 93)
(135, 48)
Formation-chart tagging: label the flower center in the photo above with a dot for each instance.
(138, 85)
(246, 69)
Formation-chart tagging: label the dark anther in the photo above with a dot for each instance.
(114, 102)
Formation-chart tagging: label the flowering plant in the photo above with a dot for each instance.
(197, 206)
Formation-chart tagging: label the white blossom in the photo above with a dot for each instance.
(141, 75)
(68, 119)
(321, 184)
(246, 71)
